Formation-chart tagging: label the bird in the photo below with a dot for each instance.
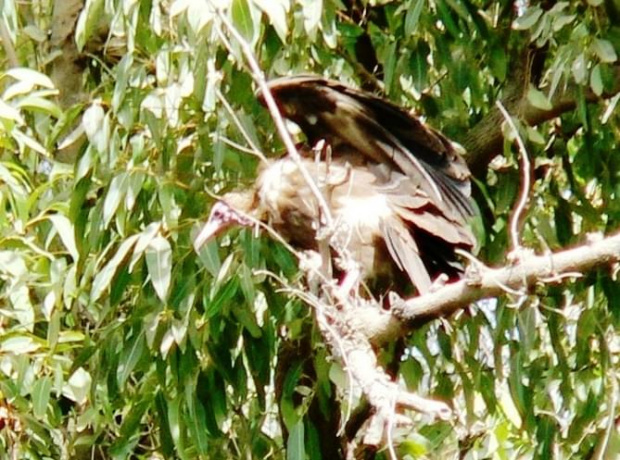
(397, 190)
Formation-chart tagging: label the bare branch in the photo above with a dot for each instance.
(527, 273)
(354, 349)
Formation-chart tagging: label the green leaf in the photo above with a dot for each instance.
(210, 257)
(412, 18)
(104, 277)
(88, 21)
(295, 447)
(174, 420)
(158, 256)
(538, 99)
(243, 19)
(123, 73)
(528, 19)
(41, 396)
(116, 193)
(499, 62)
(129, 358)
(604, 50)
(596, 80)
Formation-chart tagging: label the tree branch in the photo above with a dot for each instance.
(485, 139)
(493, 282)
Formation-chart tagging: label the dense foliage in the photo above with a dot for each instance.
(117, 340)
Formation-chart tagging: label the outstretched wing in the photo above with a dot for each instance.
(380, 131)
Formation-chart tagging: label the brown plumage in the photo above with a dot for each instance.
(398, 191)
(379, 132)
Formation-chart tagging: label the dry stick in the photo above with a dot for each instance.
(526, 184)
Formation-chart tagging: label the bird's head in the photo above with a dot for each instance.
(234, 208)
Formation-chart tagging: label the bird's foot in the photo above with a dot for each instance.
(349, 284)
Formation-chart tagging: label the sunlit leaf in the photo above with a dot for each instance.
(25, 140)
(295, 449)
(244, 19)
(30, 76)
(20, 344)
(65, 231)
(77, 387)
(604, 50)
(116, 193)
(10, 113)
(158, 256)
(104, 277)
(528, 19)
(41, 396)
(276, 11)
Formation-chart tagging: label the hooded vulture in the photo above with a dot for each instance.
(398, 191)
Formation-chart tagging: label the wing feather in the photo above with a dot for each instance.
(404, 250)
(379, 130)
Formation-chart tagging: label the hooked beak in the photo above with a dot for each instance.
(213, 227)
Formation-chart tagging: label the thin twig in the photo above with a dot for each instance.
(526, 179)
(235, 145)
(255, 150)
(259, 79)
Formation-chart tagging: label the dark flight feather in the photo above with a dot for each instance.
(380, 131)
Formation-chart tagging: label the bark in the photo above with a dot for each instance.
(66, 72)
(483, 282)
(485, 140)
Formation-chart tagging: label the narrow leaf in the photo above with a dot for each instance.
(104, 277)
(158, 256)
(295, 449)
(41, 396)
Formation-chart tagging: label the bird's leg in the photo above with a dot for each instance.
(349, 285)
